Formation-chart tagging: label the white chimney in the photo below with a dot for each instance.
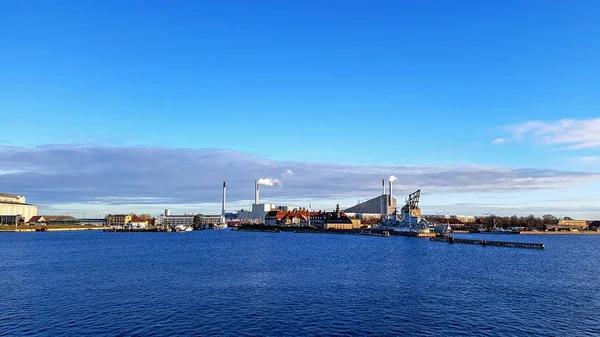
(256, 197)
(167, 212)
(224, 198)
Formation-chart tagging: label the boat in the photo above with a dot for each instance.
(498, 230)
(410, 220)
(183, 228)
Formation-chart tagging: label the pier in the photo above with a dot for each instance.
(451, 239)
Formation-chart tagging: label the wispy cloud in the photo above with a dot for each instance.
(569, 133)
(499, 141)
(70, 174)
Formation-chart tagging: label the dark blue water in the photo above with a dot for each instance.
(217, 283)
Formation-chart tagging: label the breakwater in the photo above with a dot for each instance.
(451, 239)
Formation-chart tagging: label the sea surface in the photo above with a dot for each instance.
(222, 283)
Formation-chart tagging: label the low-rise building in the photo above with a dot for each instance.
(567, 225)
(594, 225)
(137, 223)
(274, 217)
(42, 220)
(339, 220)
(317, 219)
(177, 220)
(118, 220)
(71, 221)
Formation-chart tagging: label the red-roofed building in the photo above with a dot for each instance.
(137, 223)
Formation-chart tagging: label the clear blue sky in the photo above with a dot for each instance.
(346, 82)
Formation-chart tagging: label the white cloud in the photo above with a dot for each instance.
(287, 173)
(155, 176)
(570, 133)
(499, 141)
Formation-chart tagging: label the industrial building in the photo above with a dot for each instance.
(383, 205)
(12, 220)
(12, 205)
(258, 211)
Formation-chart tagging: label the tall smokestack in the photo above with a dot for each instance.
(256, 198)
(382, 197)
(224, 198)
(390, 201)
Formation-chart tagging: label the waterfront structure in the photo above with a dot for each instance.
(454, 223)
(178, 220)
(567, 225)
(463, 218)
(208, 220)
(594, 225)
(295, 218)
(373, 208)
(118, 220)
(317, 219)
(339, 220)
(274, 217)
(257, 213)
(42, 220)
(12, 204)
(12, 219)
(137, 223)
(71, 221)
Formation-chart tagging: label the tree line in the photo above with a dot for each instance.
(516, 221)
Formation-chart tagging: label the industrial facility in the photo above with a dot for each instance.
(375, 208)
(258, 211)
(14, 209)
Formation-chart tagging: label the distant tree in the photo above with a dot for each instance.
(548, 218)
(145, 216)
(197, 220)
(530, 221)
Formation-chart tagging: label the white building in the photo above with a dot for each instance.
(178, 220)
(137, 224)
(257, 214)
(12, 204)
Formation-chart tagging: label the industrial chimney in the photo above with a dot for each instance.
(390, 200)
(256, 197)
(382, 197)
(224, 198)
(167, 212)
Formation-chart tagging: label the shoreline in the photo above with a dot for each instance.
(539, 232)
(9, 229)
(561, 232)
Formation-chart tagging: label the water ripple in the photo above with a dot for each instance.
(220, 283)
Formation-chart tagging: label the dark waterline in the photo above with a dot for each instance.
(216, 283)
